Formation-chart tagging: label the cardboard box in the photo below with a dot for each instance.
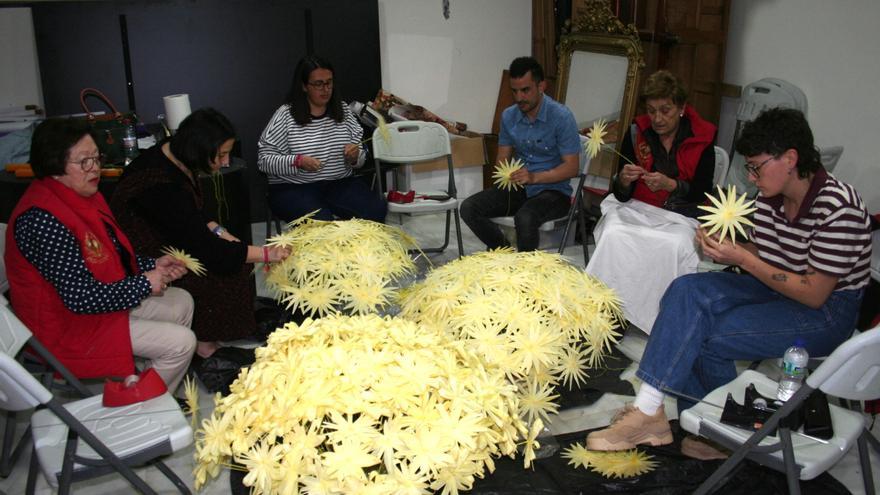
(466, 152)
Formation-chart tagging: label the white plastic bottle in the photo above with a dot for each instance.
(794, 370)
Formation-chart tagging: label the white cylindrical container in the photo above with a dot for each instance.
(176, 109)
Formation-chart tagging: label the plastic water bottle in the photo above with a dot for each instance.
(794, 370)
(129, 142)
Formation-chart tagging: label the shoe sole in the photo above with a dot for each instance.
(652, 440)
(701, 452)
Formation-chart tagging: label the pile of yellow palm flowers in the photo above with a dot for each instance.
(363, 404)
(346, 266)
(530, 313)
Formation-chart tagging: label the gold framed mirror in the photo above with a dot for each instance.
(599, 65)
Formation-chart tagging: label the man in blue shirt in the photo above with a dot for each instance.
(543, 134)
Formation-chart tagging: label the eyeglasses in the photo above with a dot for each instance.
(321, 84)
(755, 170)
(89, 162)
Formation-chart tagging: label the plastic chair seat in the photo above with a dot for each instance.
(421, 205)
(148, 429)
(548, 226)
(812, 456)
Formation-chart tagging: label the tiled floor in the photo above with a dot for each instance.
(427, 229)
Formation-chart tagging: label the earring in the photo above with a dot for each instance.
(681, 114)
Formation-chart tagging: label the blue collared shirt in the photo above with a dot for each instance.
(541, 143)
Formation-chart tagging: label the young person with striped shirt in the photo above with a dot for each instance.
(310, 148)
(805, 271)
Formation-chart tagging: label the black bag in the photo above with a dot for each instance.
(218, 371)
(109, 128)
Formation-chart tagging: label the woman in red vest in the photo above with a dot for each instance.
(646, 236)
(75, 280)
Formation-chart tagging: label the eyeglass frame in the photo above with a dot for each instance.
(755, 170)
(321, 84)
(97, 161)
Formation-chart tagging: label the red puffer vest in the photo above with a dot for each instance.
(90, 345)
(686, 157)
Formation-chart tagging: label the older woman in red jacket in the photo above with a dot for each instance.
(74, 278)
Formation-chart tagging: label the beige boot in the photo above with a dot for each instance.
(631, 427)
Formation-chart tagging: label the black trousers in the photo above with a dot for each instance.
(528, 214)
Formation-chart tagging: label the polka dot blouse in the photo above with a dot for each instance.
(53, 250)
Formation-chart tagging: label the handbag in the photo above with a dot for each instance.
(109, 129)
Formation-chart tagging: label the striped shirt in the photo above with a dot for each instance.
(831, 233)
(323, 138)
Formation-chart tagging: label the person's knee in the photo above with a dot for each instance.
(526, 221)
(468, 210)
(184, 305)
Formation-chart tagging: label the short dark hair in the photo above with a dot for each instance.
(778, 130)
(523, 65)
(199, 137)
(663, 84)
(51, 143)
(296, 97)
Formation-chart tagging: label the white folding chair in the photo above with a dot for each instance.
(82, 439)
(576, 211)
(413, 142)
(851, 372)
(722, 164)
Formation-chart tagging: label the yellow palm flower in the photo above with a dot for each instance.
(191, 391)
(502, 173)
(578, 455)
(352, 265)
(595, 142)
(622, 464)
(728, 214)
(191, 263)
(362, 404)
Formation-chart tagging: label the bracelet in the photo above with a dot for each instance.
(297, 161)
(265, 255)
(218, 230)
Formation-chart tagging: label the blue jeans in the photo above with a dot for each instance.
(345, 198)
(709, 320)
(528, 215)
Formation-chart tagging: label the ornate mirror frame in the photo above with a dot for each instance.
(597, 30)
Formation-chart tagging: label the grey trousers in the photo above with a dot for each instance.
(160, 333)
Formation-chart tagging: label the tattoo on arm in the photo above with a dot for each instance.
(779, 277)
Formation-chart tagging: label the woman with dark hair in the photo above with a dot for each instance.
(159, 203)
(75, 279)
(645, 237)
(310, 148)
(806, 265)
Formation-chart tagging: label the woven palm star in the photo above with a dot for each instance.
(622, 464)
(595, 142)
(729, 214)
(191, 391)
(502, 173)
(191, 263)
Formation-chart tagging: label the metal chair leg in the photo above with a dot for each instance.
(794, 483)
(865, 461)
(172, 476)
(458, 233)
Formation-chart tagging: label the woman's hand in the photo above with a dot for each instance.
(310, 164)
(629, 174)
(723, 252)
(167, 270)
(352, 153)
(277, 253)
(656, 181)
(172, 268)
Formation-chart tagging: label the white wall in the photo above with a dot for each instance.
(19, 71)
(831, 51)
(452, 66)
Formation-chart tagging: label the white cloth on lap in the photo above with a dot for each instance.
(640, 250)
